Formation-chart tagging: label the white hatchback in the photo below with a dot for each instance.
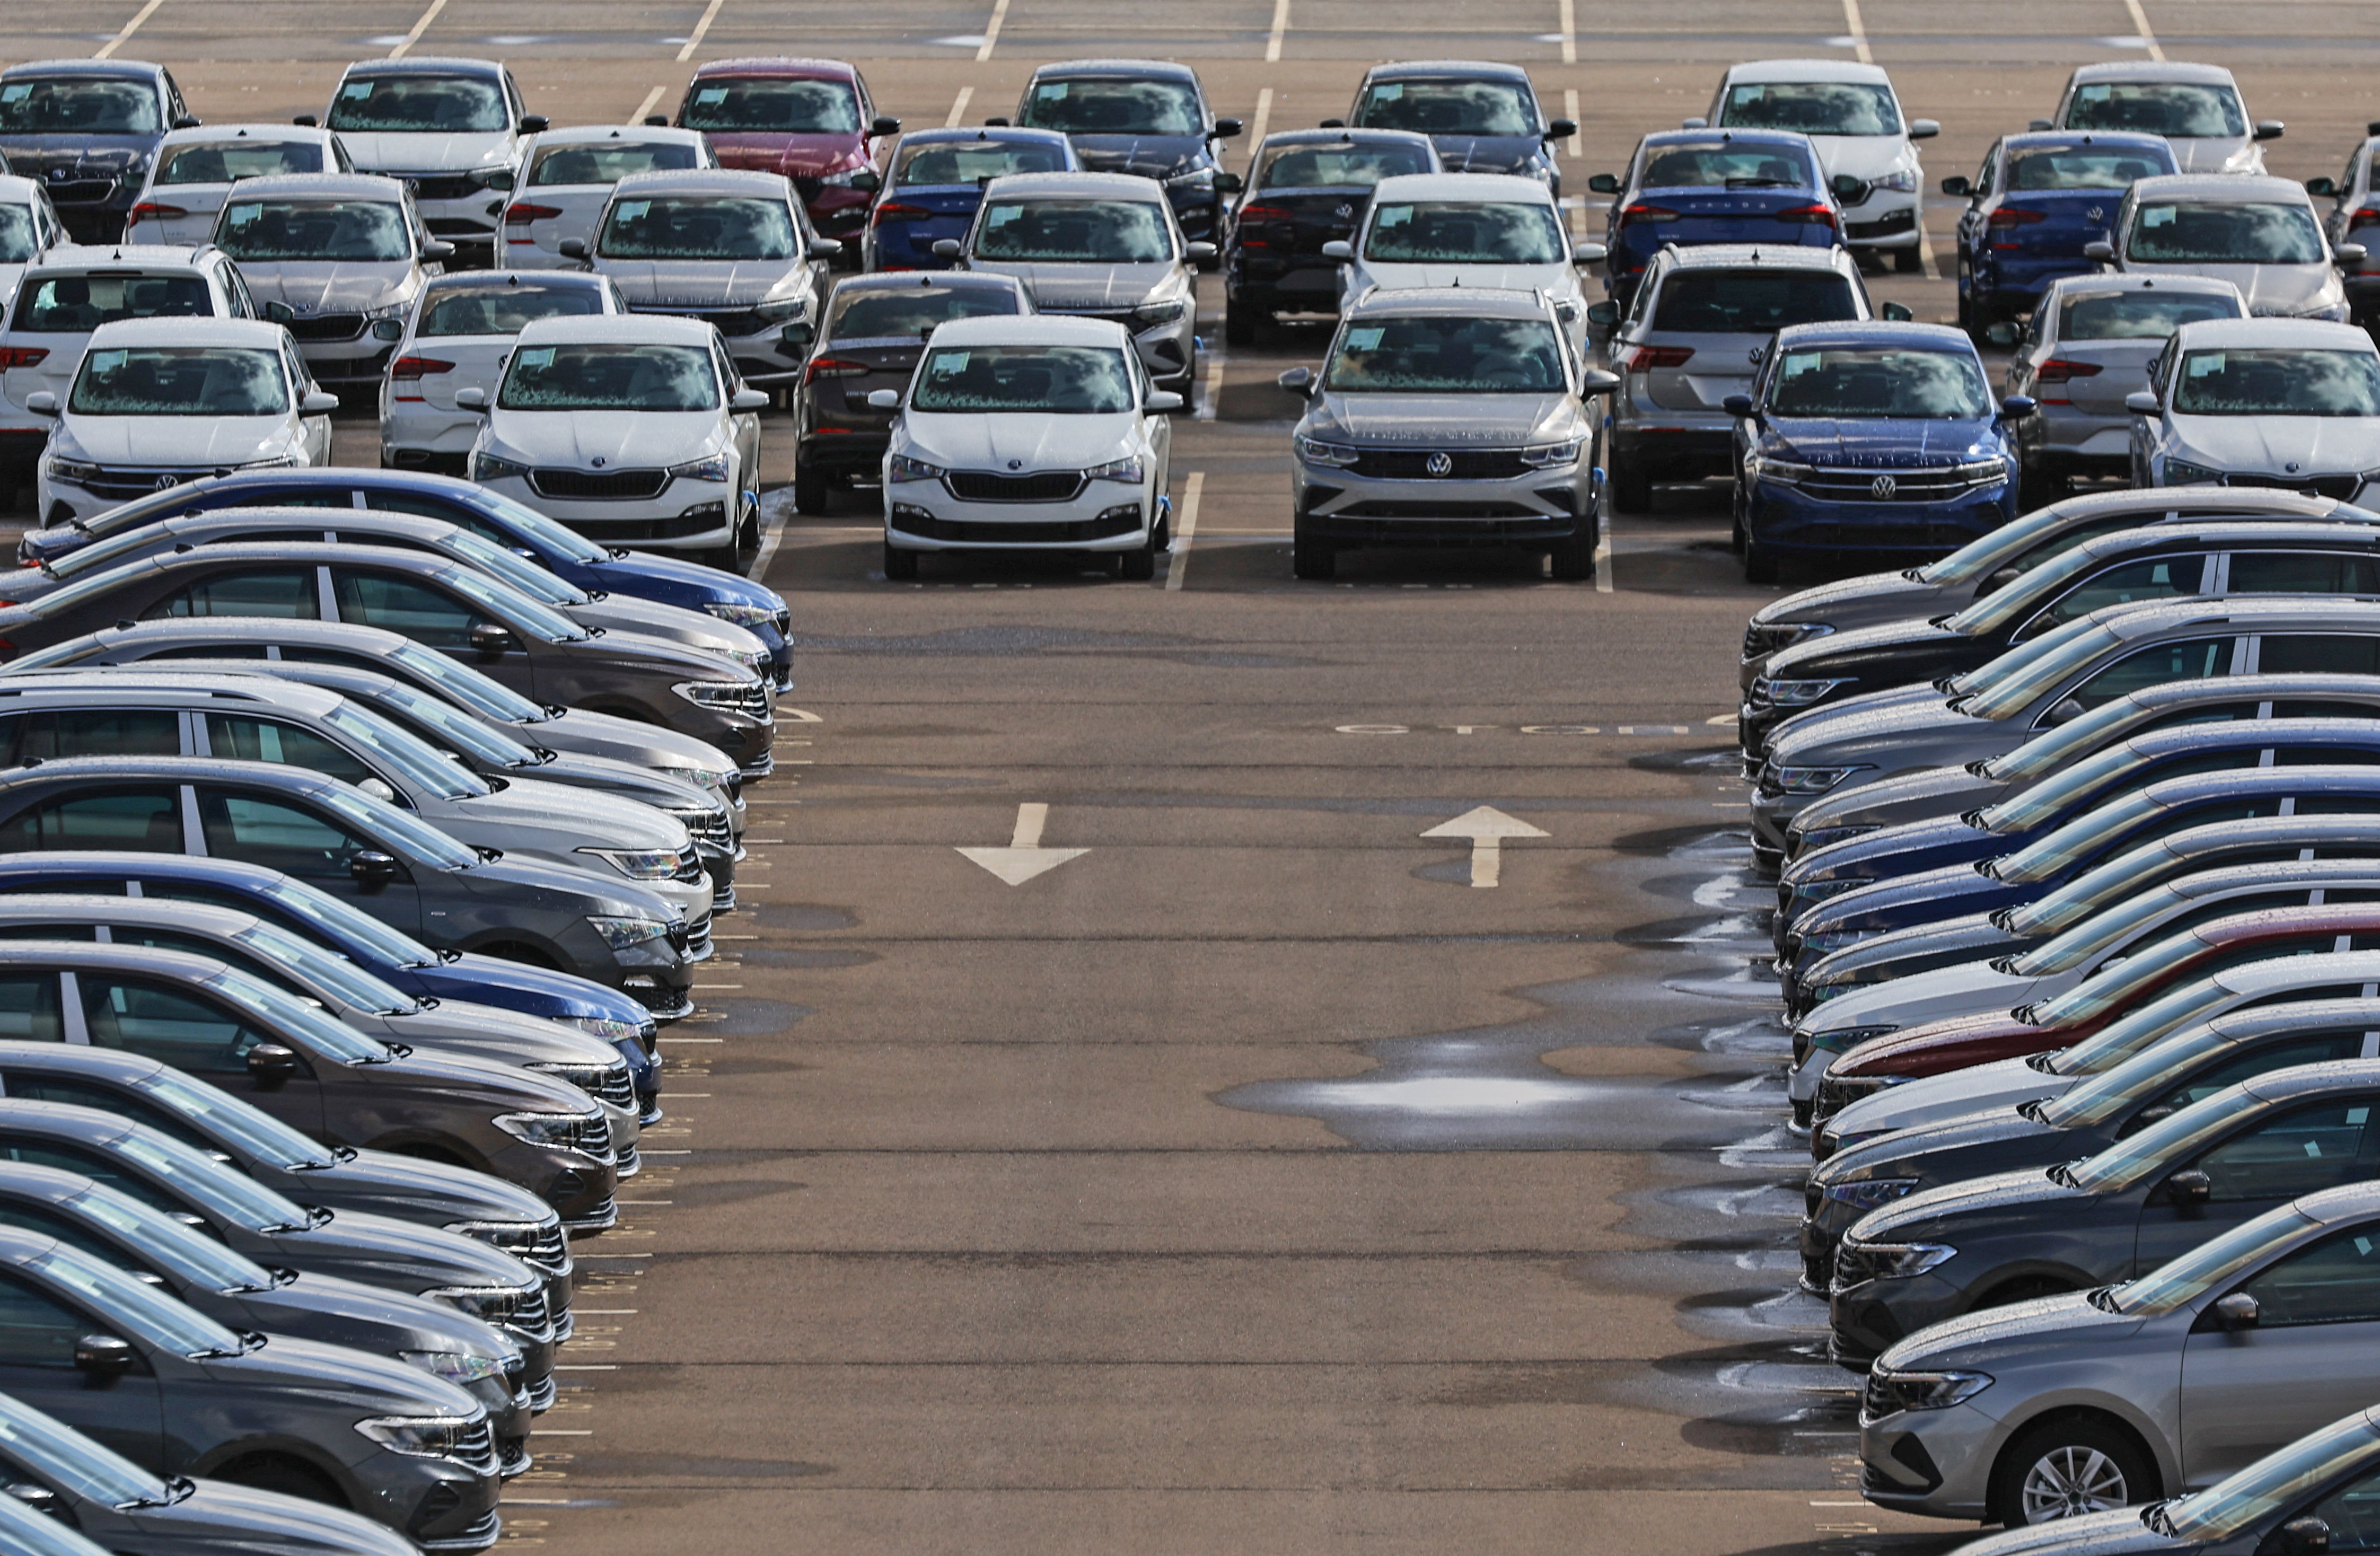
(1492, 230)
(194, 170)
(2288, 403)
(566, 175)
(458, 337)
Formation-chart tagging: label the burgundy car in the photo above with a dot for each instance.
(811, 120)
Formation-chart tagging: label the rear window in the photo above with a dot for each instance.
(79, 304)
(1350, 165)
(1679, 167)
(913, 310)
(1751, 301)
(502, 311)
(973, 162)
(2140, 315)
(225, 162)
(608, 162)
(2085, 168)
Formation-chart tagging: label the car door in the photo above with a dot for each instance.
(92, 732)
(2313, 1356)
(38, 1332)
(297, 839)
(285, 593)
(2296, 1151)
(2298, 572)
(2228, 1067)
(2150, 577)
(2290, 653)
(417, 608)
(143, 817)
(186, 1028)
(2190, 659)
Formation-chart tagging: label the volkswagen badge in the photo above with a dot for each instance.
(1439, 463)
(1884, 489)
(599, 461)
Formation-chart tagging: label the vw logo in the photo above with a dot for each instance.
(167, 483)
(1884, 489)
(1754, 355)
(599, 461)
(2096, 213)
(1439, 463)
(1016, 464)
(1344, 211)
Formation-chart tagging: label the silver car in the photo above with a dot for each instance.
(2259, 234)
(2196, 107)
(2355, 208)
(566, 178)
(1443, 417)
(451, 128)
(194, 170)
(2079, 1403)
(2086, 348)
(2290, 403)
(457, 335)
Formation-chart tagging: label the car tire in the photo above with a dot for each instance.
(1310, 558)
(1139, 564)
(899, 566)
(286, 1476)
(1574, 560)
(1240, 322)
(811, 489)
(1759, 562)
(1909, 261)
(2068, 1467)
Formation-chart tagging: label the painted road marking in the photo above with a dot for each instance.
(1280, 25)
(958, 108)
(107, 50)
(1570, 31)
(1024, 857)
(1211, 390)
(1858, 30)
(2141, 26)
(1486, 827)
(1257, 126)
(992, 29)
(1523, 729)
(406, 43)
(694, 39)
(647, 106)
(1177, 565)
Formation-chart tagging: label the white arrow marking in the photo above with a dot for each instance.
(1486, 827)
(1025, 857)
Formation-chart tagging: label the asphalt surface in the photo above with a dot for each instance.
(1249, 1180)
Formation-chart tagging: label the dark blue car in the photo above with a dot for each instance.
(1876, 442)
(1483, 117)
(1307, 188)
(595, 568)
(934, 180)
(2038, 200)
(395, 957)
(85, 130)
(1689, 187)
(1144, 116)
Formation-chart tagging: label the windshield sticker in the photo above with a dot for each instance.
(1001, 215)
(2092, 95)
(1365, 340)
(2200, 364)
(1798, 362)
(631, 210)
(535, 357)
(1394, 215)
(15, 94)
(1051, 91)
(949, 362)
(1387, 92)
(2159, 215)
(712, 94)
(356, 89)
(108, 361)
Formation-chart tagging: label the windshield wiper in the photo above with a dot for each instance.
(2030, 1110)
(2103, 1298)
(2063, 1176)
(2153, 1516)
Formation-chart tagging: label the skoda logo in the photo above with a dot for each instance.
(1016, 464)
(1884, 489)
(599, 461)
(305, 308)
(1439, 463)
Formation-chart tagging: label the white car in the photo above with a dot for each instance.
(1852, 115)
(566, 177)
(2291, 403)
(2196, 107)
(160, 401)
(451, 128)
(1492, 230)
(2259, 234)
(1028, 434)
(29, 228)
(194, 170)
(457, 336)
(631, 428)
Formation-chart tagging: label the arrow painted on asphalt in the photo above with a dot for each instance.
(1486, 827)
(1025, 857)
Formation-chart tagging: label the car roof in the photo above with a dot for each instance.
(2179, 498)
(120, 256)
(2311, 333)
(2190, 787)
(1165, 69)
(190, 770)
(2055, 140)
(2247, 612)
(1030, 329)
(928, 281)
(48, 1186)
(188, 966)
(122, 69)
(93, 1125)
(15, 189)
(1730, 136)
(256, 129)
(181, 331)
(618, 329)
(2266, 874)
(2318, 1079)
(322, 186)
(1339, 135)
(1747, 256)
(705, 180)
(1808, 70)
(1876, 332)
(1462, 189)
(384, 521)
(1067, 184)
(113, 683)
(426, 64)
(2248, 735)
(944, 135)
(2149, 70)
(2345, 1202)
(95, 907)
(582, 134)
(1455, 69)
(2107, 282)
(796, 67)
(2230, 188)
(1455, 302)
(492, 280)
(2257, 832)
(2218, 532)
(377, 640)
(2278, 973)
(127, 863)
(2219, 689)
(2257, 1022)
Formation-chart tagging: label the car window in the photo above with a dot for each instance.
(2195, 659)
(2085, 168)
(500, 311)
(2189, 108)
(77, 105)
(365, 230)
(608, 162)
(34, 1086)
(1466, 232)
(429, 616)
(1448, 107)
(279, 835)
(1988, 173)
(1116, 105)
(2352, 1513)
(1344, 166)
(1074, 231)
(98, 1166)
(2334, 1281)
(73, 1234)
(1727, 166)
(696, 227)
(1752, 301)
(169, 1025)
(36, 1330)
(2306, 652)
(1812, 107)
(771, 104)
(96, 732)
(2224, 232)
(420, 105)
(2304, 573)
(250, 738)
(79, 304)
(29, 1008)
(912, 311)
(2139, 315)
(2159, 577)
(150, 820)
(285, 594)
(1874, 380)
(2279, 383)
(1443, 355)
(2256, 1061)
(2302, 1151)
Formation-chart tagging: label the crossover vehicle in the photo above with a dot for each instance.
(195, 169)
(1447, 417)
(1309, 188)
(1145, 118)
(1688, 187)
(2193, 108)
(2031, 206)
(88, 130)
(876, 330)
(810, 121)
(1852, 115)
(1095, 245)
(2354, 207)
(1862, 440)
(452, 130)
(2084, 354)
(630, 428)
(1483, 117)
(2259, 234)
(456, 337)
(566, 176)
(2092, 1400)
(343, 253)
(934, 180)
(29, 228)
(2288, 402)
(1491, 231)
(1028, 434)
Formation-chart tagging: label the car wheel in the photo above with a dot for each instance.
(1909, 261)
(899, 566)
(1310, 558)
(288, 1476)
(1759, 562)
(810, 489)
(2065, 1468)
(1240, 321)
(1137, 565)
(1574, 560)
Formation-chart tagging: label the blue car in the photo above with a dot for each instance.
(934, 180)
(1877, 443)
(636, 575)
(84, 130)
(389, 955)
(2038, 200)
(1690, 187)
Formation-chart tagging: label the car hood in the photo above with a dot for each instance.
(704, 283)
(2268, 288)
(1934, 1150)
(1016, 441)
(1870, 596)
(783, 152)
(2117, 1532)
(606, 438)
(1084, 289)
(565, 887)
(1877, 722)
(342, 287)
(1942, 790)
(1151, 156)
(1885, 843)
(1487, 154)
(651, 743)
(63, 157)
(388, 152)
(1429, 419)
(1896, 444)
(377, 1318)
(1862, 156)
(314, 1377)
(626, 613)
(2280, 444)
(1950, 1043)
(175, 441)
(2001, 1083)
(531, 1037)
(229, 1517)
(2066, 1321)
(382, 1250)
(2028, 1192)
(1921, 996)
(530, 807)
(410, 1188)
(2216, 153)
(1857, 649)
(1557, 278)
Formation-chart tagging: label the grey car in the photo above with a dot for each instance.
(2124, 1393)
(1447, 417)
(1696, 330)
(2196, 107)
(451, 129)
(2259, 234)
(2350, 217)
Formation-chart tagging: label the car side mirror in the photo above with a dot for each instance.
(104, 1356)
(2158, 1115)
(40, 1499)
(1999, 333)
(2236, 1312)
(825, 248)
(1298, 382)
(535, 124)
(499, 179)
(572, 248)
(186, 121)
(1226, 129)
(749, 399)
(2066, 711)
(948, 248)
(318, 402)
(2301, 1537)
(2038, 124)
(41, 403)
(1924, 129)
(1561, 129)
(1956, 184)
(2015, 407)
(1229, 182)
(1596, 381)
(378, 788)
(1604, 183)
(1586, 253)
(308, 120)
(1199, 253)
(2349, 254)
(1895, 312)
(280, 313)
(1161, 400)
(437, 251)
(490, 637)
(656, 121)
(1737, 405)
(1603, 315)
(2189, 1187)
(884, 399)
(2322, 186)
(372, 867)
(271, 1065)
(1696, 123)
(388, 329)
(1848, 189)
(2270, 129)
(2142, 402)
(883, 125)
(2099, 251)
(997, 121)
(474, 400)
(1338, 249)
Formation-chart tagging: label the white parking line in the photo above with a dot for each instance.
(421, 27)
(958, 108)
(144, 13)
(694, 39)
(1257, 126)
(1570, 31)
(992, 29)
(1280, 26)
(1576, 144)
(647, 106)
(1603, 551)
(1858, 30)
(2141, 26)
(1210, 393)
(1185, 525)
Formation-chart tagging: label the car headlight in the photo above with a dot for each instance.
(2336, 312)
(1129, 471)
(1888, 1394)
(741, 615)
(1800, 694)
(718, 467)
(452, 1366)
(777, 312)
(638, 864)
(1765, 638)
(2181, 472)
(63, 468)
(1191, 178)
(1905, 180)
(1820, 891)
(586, 1077)
(1835, 1040)
(495, 467)
(495, 1304)
(1785, 472)
(627, 935)
(1330, 454)
(418, 1436)
(513, 1236)
(901, 467)
(1811, 780)
(1821, 837)
(390, 309)
(733, 697)
(1830, 940)
(1162, 312)
(609, 1028)
(1545, 456)
(1866, 1194)
(846, 179)
(578, 1132)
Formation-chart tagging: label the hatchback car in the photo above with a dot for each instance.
(1447, 417)
(194, 171)
(809, 121)
(1307, 188)
(1493, 231)
(1693, 187)
(451, 129)
(566, 176)
(1147, 118)
(2292, 403)
(1484, 117)
(2259, 234)
(87, 129)
(2033, 204)
(2195, 108)
(934, 180)
(457, 335)
(1852, 115)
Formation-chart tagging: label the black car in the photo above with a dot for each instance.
(1484, 118)
(86, 128)
(1146, 116)
(1308, 188)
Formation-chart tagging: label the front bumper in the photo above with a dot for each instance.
(1684, 444)
(1101, 516)
(1888, 220)
(1541, 507)
(1784, 520)
(681, 514)
(1934, 1463)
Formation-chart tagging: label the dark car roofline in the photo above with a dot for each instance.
(120, 69)
(188, 966)
(1456, 69)
(425, 65)
(800, 68)
(131, 862)
(1058, 69)
(2248, 734)
(47, 1185)
(96, 906)
(2169, 790)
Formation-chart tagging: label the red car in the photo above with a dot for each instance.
(810, 120)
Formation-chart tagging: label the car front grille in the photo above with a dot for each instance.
(624, 531)
(708, 827)
(988, 486)
(327, 326)
(599, 485)
(2339, 489)
(477, 1447)
(631, 1159)
(697, 939)
(689, 864)
(1106, 527)
(1851, 1266)
(442, 186)
(125, 485)
(79, 191)
(1940, 484)
(733, 323)
(1114, 315)
(1436, 510)
(615, 1087)
(1462, 464)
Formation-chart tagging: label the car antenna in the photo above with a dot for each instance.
(513, 280)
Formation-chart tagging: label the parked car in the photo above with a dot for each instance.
(2195, 108)
(29, 228)
(1852, 115)
(1493, 231)
(1484, 117)
(1306, 188)
(86, 129)
(2261, 402)
(810, 121)
(2259, 234)
(1147, 118)
(2033, 205)
(566, 177)
(451, 129)
(195, 169)
(1689, 188)
(457, 335)
(2354, 207)
(934, 180)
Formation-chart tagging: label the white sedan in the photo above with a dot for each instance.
(2286, 403)
(1028, 432)
(157, 402)
(632, 429)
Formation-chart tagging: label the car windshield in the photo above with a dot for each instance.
(441, 722)
(2225, 232)
(608, 162)
(942, 162)
(2277, 1481)
(149, 1314)
(2264, 382)
(2123, 982)
(2140, 315)
(1446, 107)
(188, 1255)
(425, 842)
(2213, 1262)
(2185, 108)
(20, 236)
(1113, 105)
(1751, 302)
(2009, 684)
(605, 375)
(2137, 1079)
(422, 767)
(1879, 382)
(1812, 107)
(559, 539)
(77, 105)
(2076, 840)
(316, 907)
(480, 309)
(2053, 748)
(84, 1467)
(501, 600)
(314, 231)
(2174, 1139)
(474, 690)
(2037, 804)
(1444, 354)
(77, 304)
(911, 312)
(2092, 891)
(1694, 167)
(200, 1179)
(771, 104)
(518, 571)
(2085, 168)
(420, 105)
(180, 380)
(1065, 380)
(226, 161)
(1466, 232)
(332, 1038)
(1074, 231)
(698, 227)
(2100, 932)
(260, 1136)
(2135, 1031)
(1350, 164)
